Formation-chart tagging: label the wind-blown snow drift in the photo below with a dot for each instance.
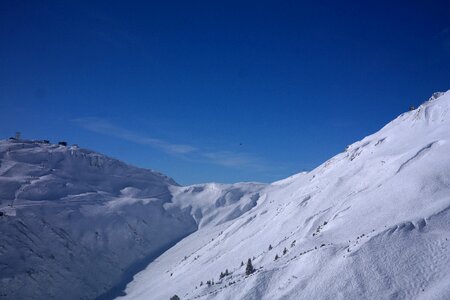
(371, 223)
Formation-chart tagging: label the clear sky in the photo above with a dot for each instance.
(217, 90)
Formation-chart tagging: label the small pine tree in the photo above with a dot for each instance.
(270, 247)
(226, 272)
(242, 263)
(221, 275)
(249, 269)
(284, 251)
(175, 297)
(201, 283)
(276, 257)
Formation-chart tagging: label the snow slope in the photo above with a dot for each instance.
(78, 224)
(372, 222)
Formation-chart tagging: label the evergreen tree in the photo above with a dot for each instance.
(276, 257)
(242, 263)
(249, 269)
(175, 297)
(270, 247)
(284, 251)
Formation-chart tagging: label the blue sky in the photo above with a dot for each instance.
(217, 90)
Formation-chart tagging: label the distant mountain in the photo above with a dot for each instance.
(372, 222)
(76, 224)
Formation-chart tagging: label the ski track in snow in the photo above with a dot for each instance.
(422, 151)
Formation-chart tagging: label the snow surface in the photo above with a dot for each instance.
(372, 222)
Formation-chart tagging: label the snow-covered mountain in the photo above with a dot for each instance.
(372, 222)
(76, 224)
